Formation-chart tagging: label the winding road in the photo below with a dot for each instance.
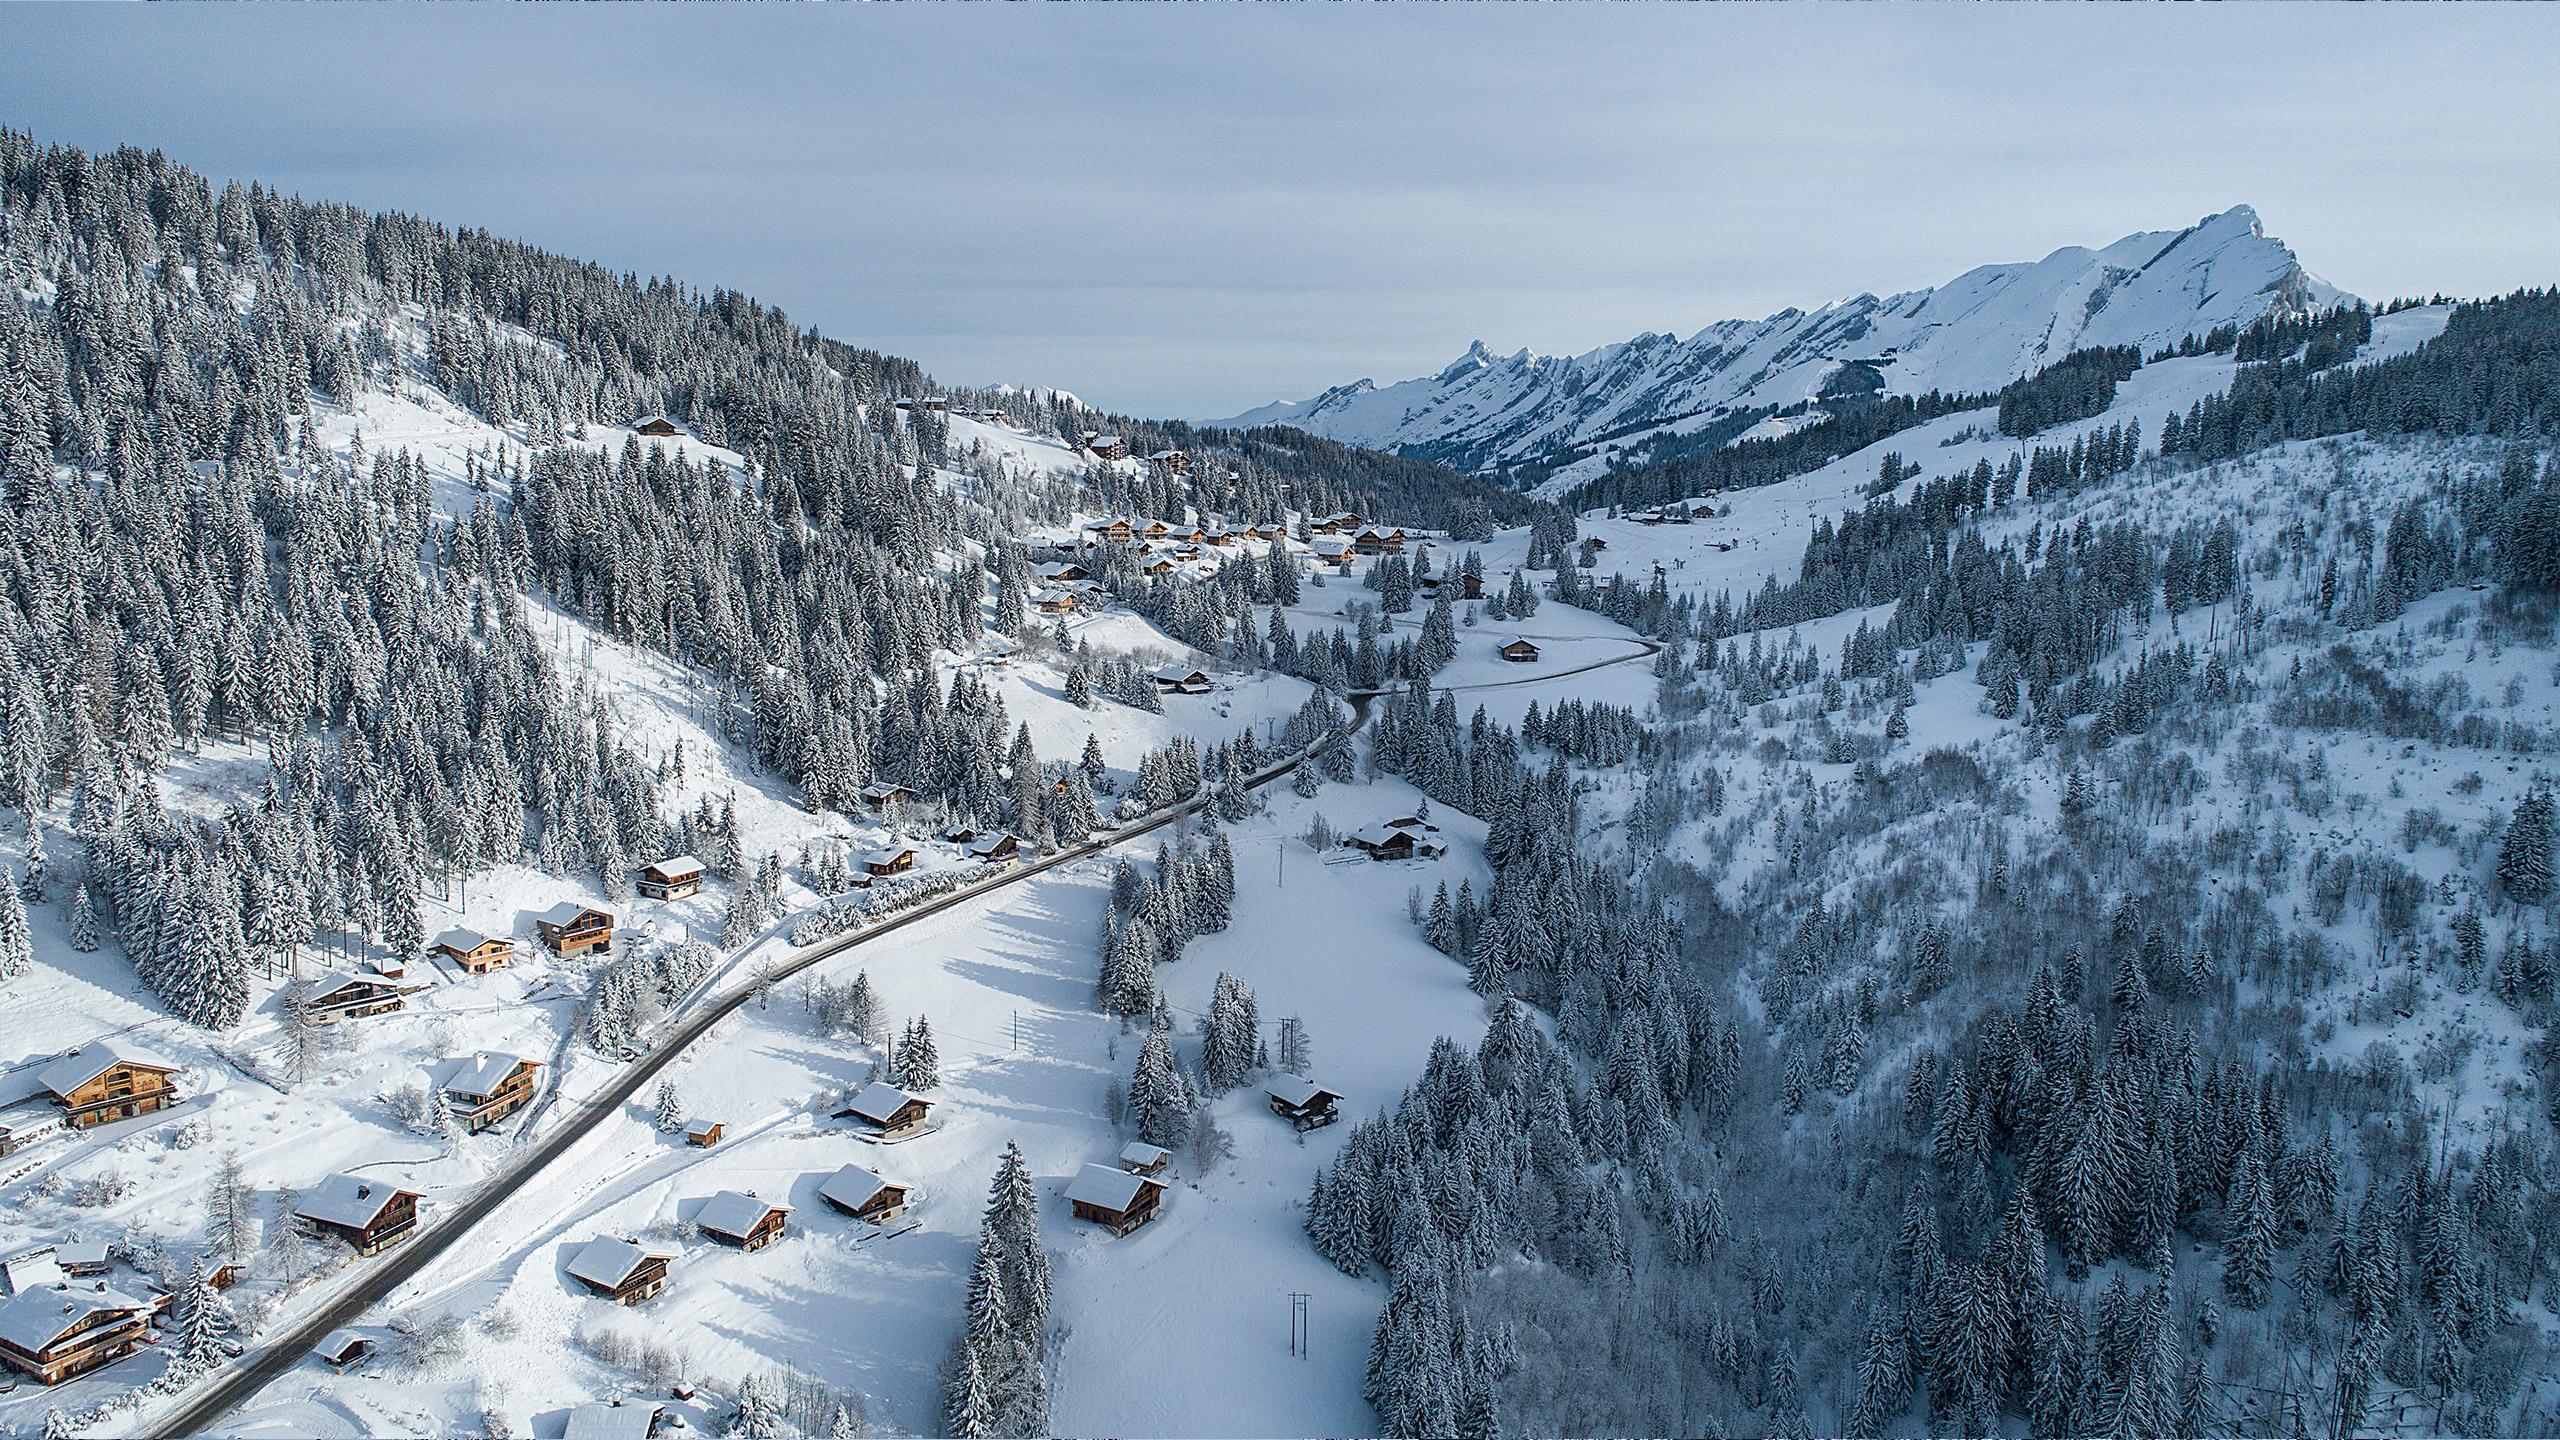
(263, 1364)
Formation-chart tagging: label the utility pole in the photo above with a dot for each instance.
(1284, 862)
(1298, 1339)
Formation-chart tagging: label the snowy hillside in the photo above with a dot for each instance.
(1973, 334)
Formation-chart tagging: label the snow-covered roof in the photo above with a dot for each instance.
(31, 1269)
(853, 1187)
(1296, 1090)
(1108, 1186)
(461, 938)
(611, 1420)
(1378, 835)
(881, 789)
(1139, 1152)
(1179, 672)
(565, 912)
(1519, 640)
(888, 857)
(608, 1262)
(879, 1102)
(93, 1060)
(1327, 545)
(1101, 440)
(354, 1201)
(83, 1252)
(990, 844)
(342, 1343)
(678, 865)
(337, 980)
(705, 1127)
(483, 1073)
(36, 1319)
(735, 1212)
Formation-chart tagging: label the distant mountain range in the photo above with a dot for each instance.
(1977, 332)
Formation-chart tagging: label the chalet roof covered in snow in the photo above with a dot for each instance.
(461, 938)
(735, 1212)
(1139, 1152)
(1108, 1186)
(93, 1060)
(339, 980)
(36, 1319)
(1178, 672)
(340, 1344)
(879, 1102)
(611, 1420)
(31, 1269)
(83, 1252)
(608, 1261)
(483, 1073)
(853, 1187)
(990, 844)
(354, 1201)
(1296, 1090)
(1377, 835)
(564, 913)
(678, 866)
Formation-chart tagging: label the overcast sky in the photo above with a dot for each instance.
(1189, 210)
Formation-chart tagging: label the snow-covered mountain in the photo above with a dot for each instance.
(1977, 332)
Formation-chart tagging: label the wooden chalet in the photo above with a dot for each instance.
(1379, 540)
(896, 860)
(1519, 652)
(671, 879)
(1219, 536)
(369, 1215)
(1340, 522)
(1156, 566)
(1332, 551)
(474, 953)
(341, 996)
(617, 1419)
(623, 1271)
(489, 1087)
(391, 967)
(1140, 1158)
(1181, 679)
(1051, 601)
(1057, 570)
(995, 849)
(887, 1111)
(1171, 461)
(570, 928)
(1106, 447)
(54, 1332)
(741, 1218)
(1470, 587)
(1117, 532)
(343, 1348)
(881, 797)
(657, 427)
(865, 1195)
(1116, 1199)
(702, 1134)
(1302, 1102)
(1389, 842)
(108, 1080)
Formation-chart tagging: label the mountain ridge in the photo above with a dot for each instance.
(1978, 331)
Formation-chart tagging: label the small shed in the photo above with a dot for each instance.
(657, 427)
(570, 928)
(889, 1112)
(624, 1271)
(1140, 1158)
(1180, 679)
(1118, 1200)
(473, 952)
(702, 1133)
(344, 1348)
(865, 1195)
(1519, 652)
(671, 879)
(743, 1219)
(1302, 1102)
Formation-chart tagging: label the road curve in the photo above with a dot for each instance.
(263, 1365)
